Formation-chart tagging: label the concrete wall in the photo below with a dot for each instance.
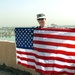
(8, 56)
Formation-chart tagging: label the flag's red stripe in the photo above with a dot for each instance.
(54, 44)
(46, 65)
(55, 51)
(57, 29)
(54, 72)
(44, 72)
(55, 36)
(50, 51)
(49, 57)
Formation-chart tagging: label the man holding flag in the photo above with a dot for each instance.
(50, 51)
(41, 18)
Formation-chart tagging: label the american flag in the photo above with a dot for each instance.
(47, 50)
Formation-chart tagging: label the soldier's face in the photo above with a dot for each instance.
(41, 21)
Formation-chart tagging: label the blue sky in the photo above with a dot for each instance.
(23, 12)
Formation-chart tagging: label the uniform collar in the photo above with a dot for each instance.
(45, 26)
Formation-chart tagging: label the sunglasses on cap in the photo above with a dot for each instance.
(41, 19)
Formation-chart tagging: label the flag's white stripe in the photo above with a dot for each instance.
(24, 50)
(46, 68)
(45, 61)
(54, 40)
(54, 32)
(54, 47)
(48, 54)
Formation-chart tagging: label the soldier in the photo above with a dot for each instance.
(41, 20)
(42, 24)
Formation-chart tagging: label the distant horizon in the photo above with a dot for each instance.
(35, 26)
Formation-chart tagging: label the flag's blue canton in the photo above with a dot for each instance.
(24, 38)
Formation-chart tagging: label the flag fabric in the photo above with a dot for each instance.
(47, 50)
